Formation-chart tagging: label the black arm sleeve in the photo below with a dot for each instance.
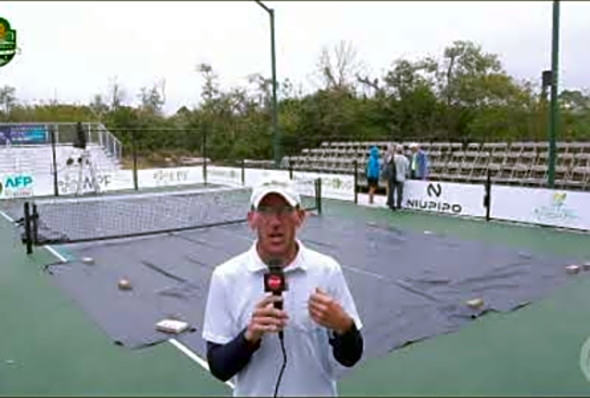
(225, 360)
(348, 347)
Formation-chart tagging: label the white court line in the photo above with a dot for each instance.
(185, 350)
(368, 273)
(55, 253)
(6, 216)
(49, 248)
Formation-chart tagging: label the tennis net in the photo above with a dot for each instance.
(83, 219)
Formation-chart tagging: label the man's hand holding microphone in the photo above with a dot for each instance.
(322, 308)
(266, 319)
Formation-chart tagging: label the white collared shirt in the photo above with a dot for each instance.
(237, 285)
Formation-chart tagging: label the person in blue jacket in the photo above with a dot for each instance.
(419, 163)
(373, 170)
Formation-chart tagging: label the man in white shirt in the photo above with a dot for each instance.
(402, 166)
(318, 317)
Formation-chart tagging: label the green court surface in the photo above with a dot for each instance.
(50, 347)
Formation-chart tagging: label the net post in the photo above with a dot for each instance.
(487, 201)
(355, 180)
(243, 166)
(54, 160)
(290, 171)
(134, 150)
(28, 239)
(35, 224)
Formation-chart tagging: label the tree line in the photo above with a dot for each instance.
(465, 95)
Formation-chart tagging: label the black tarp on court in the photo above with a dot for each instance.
(407, 285)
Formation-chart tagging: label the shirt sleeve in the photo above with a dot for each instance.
(344, 297)
(347, 348)
(225, 361)
(218, 323)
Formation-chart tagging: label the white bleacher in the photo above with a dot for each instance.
(38, 159)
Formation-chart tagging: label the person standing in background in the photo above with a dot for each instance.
(402, 167)
(419, 166)
(390, 175)
(373, 171)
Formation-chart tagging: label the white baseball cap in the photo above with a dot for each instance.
(282, 187)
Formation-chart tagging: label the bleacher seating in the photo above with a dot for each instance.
(38, 159)
(517, 163)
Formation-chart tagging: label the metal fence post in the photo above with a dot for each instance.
(204, 151)
(318, 184)
(355, 180)
(134, 150)
(488, 196)
(54, 161)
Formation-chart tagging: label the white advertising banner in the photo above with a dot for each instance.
(168, 177)
(567, 209)
(17, 185)
(67, 182)
(231, 176)
(254, 176)
(334, 186)
(445, 197)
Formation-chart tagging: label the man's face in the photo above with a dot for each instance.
(276, 223)
(414, 149)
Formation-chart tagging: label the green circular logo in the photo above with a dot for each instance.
(7, 42)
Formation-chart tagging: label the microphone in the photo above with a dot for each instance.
(274, 281)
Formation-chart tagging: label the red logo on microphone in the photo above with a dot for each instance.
(274, 282)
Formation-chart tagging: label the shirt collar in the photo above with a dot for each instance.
(256, 264)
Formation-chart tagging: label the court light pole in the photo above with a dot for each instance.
(553, 117)
(275, 128)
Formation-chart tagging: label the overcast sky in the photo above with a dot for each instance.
(71, 50)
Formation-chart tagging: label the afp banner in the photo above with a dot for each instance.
(567, 209)
(445, 197)
(16, 186)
